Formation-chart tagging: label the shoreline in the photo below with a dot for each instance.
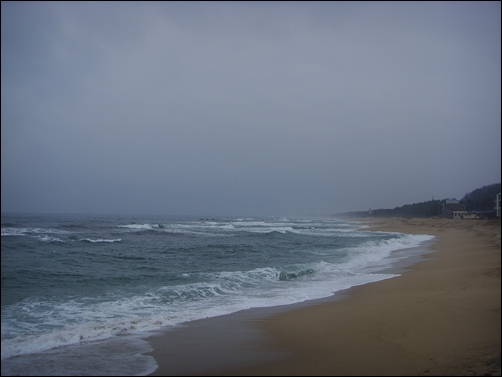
(237, 340)
(439, 317)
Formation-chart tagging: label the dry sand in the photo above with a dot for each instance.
(441, 318)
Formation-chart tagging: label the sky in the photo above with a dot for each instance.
(247, 108)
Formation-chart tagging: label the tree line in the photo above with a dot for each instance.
(480, 199)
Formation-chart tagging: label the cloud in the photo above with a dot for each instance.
(246, 108)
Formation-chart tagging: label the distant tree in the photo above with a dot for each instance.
(422, 209)
(482, 198)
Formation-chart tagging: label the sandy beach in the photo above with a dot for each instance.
(440, 318)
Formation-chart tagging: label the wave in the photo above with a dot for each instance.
(49, 239)
(100, 240)
(114, 357)
(56, 324)
(230, 228)
(13, 232)
(285, 275)
(140, 226)
(9, 231)
(266, 230)
(374, 253)
(206, 228)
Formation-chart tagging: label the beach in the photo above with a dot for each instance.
(441, 317)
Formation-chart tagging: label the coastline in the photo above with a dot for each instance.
(441, 317)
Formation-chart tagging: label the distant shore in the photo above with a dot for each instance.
(441, 318)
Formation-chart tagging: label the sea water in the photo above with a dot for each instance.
(80, 293)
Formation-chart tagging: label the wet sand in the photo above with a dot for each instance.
(440, 318)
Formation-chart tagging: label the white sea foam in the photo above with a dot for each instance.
(374, 253)
(139, 226)
(252, 223)
(13, 232)
(10, 231)
(124, 357)
(268, 229)
(263, 227)
(99, 240)
(49, 239)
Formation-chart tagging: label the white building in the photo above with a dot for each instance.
(464, 215)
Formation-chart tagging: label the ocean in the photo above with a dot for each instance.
(80, 293)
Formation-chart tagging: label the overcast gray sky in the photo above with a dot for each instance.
(287, 108)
